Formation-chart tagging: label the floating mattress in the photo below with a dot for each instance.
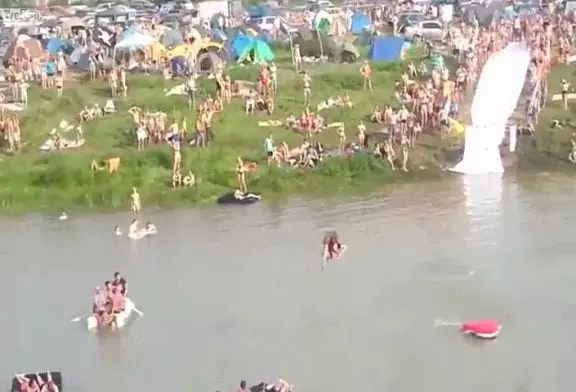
(249, 198)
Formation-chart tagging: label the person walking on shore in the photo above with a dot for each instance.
(135, 204)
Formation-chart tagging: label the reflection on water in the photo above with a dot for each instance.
(238, 293)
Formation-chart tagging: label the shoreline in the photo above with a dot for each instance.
(60, 187)
(99, 192)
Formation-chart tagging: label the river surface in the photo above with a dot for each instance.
(238, 293)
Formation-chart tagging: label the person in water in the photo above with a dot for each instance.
(26, 384)
(48, 385)
(133, 228)
(120, 282)
(332, 248)
(117, 230)
(150, 227)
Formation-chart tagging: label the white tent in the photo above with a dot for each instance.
(135, 40)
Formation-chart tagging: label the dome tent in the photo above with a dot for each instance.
(207, 63)
(257, 51)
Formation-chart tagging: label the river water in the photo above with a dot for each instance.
(238, 293)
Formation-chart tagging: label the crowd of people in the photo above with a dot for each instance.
(36, 383)
(110, 301)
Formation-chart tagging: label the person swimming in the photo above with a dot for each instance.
(117, 230)
(150, 228)
(133, 228)
(332, 248)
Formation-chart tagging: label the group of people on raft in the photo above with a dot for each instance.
(110, 301)
(36, 383)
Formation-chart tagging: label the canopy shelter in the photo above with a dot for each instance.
(207, 63)
(55, 45)
(257, 52)
(132, 40)
(24, 47)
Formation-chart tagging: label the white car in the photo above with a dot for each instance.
(430, 30)
(267, 23)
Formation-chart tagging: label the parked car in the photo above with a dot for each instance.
(267, 23)
(410, 18)
(430, 30)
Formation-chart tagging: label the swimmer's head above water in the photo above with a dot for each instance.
(330, 237)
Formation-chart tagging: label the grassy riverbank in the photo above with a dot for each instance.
(549, 147)
(34, 181)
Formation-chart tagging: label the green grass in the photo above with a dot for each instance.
(34, 181)
(548, 149)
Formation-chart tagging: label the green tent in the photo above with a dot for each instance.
(256, 52)
(323, 25)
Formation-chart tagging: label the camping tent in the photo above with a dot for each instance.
(55, 45)
(24, 47)
(80, 58)
(239, 44)
(171, 38)
(360, 21)
(349, 53)
(218, 35)
(387, 49)
(257, 52)
(314, 43)
(207, 62)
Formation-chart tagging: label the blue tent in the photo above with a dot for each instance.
(55, 45)
(360, 21)
(387, 48)
(239, 45)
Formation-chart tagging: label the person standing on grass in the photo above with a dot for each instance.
(274, 76)
(135, 203)
(366, 73)
(307, 88)
(564, 88)
(269, 148)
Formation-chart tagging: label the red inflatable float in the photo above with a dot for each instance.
(484, 329)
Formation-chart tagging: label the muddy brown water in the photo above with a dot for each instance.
(238, 293)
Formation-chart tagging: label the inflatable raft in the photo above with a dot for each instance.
(56, 378)
(248, 198)
(139, 234)
(121, 318)
(483, 329)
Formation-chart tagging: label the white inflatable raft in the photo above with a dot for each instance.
(139, 234)
(121, 318)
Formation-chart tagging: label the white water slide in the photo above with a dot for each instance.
(499, 87)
